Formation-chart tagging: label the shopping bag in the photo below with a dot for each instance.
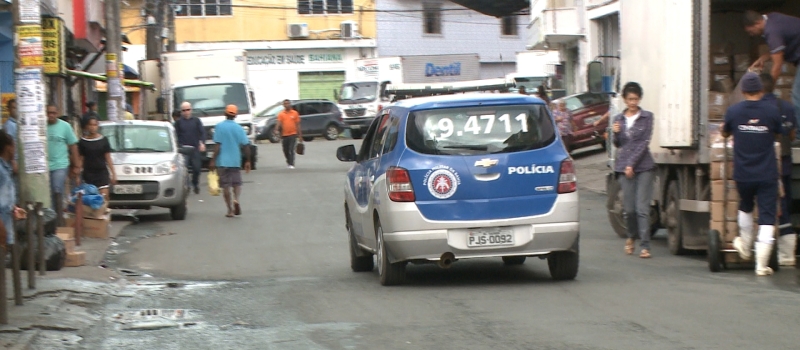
(213, 183)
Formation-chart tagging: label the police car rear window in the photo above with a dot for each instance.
(480, 130)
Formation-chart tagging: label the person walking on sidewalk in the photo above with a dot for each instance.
(95, 151)
(227, 160)
(787, 241)
(289, 128)
(11, 126)
(190, 132)
(9, 211)
(782, 33)
(755, 125)
(634, 167)
(62, 154)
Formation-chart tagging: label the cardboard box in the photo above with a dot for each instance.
(784, 81)
(718, 191)
(75, 259)
(69, 244)
(733, 230)
(95, 228)
(717, 104)
(98, 213)
(717, 153)
(732, 209)
(69, 232)
(783, 93)
(717, 169)
(722, 83)
(741, 62)
(721, 48)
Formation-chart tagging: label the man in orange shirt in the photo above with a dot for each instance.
(289, 128)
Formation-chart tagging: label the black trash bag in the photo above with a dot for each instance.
(50, 224)
(55, 253)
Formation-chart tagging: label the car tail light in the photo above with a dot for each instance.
(567, 180)
(399, 183)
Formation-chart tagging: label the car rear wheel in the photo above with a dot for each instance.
(391, 274)
(331, 132)
(513, 260)
(178, 212)
(563, 265)
(273, 136)
(360, 261)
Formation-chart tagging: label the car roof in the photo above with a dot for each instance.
(467, 100)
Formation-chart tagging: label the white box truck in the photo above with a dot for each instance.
(209, 80)
(670, 55)
(363, 94)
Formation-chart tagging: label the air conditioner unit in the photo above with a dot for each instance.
(349, 30)
(297, 30)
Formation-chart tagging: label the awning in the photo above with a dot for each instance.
(98, 77)
(101, 86)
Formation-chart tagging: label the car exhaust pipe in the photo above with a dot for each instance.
(446, 260)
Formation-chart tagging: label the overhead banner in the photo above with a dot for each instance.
(53, 45)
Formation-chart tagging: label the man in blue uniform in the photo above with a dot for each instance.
(755, 125)
(787, 242)
(782, 33)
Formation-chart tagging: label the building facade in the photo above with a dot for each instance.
(582, 31)
(295, 48)
(436, 27)
(71, 31)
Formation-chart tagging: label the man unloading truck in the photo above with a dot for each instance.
(782, 33)
(755, 125)
(787, 242)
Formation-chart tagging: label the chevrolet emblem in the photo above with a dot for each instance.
(486, 162)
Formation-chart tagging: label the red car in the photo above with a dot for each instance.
(586, 108)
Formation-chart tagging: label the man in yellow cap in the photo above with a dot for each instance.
(227, 160)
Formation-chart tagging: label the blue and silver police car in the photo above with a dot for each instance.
(444, 178)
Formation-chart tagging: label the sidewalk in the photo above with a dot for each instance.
(61, 301)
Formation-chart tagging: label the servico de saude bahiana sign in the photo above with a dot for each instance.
(293, 57)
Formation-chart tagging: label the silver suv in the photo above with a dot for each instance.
(151, 171)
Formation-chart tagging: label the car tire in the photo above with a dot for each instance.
(308, 138)
(513, 260)
(360, 261)
(332, 132)
(391, 274)
(178, 212)
(357, 134)
(563, 265)
(272, 136)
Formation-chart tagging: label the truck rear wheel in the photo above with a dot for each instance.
(672, 210)
(616, 211)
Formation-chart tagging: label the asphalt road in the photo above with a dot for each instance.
(278, 277)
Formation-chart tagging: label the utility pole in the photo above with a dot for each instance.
(115, 109)
(172, 45)
(152, 31)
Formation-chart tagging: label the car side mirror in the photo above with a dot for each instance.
(594, 77)
(347, 153)
(186, 150)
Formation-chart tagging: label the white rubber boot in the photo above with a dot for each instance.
(744, 243)
(786, 247)
(763, 251)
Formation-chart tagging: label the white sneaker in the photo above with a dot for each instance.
(291, 167)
